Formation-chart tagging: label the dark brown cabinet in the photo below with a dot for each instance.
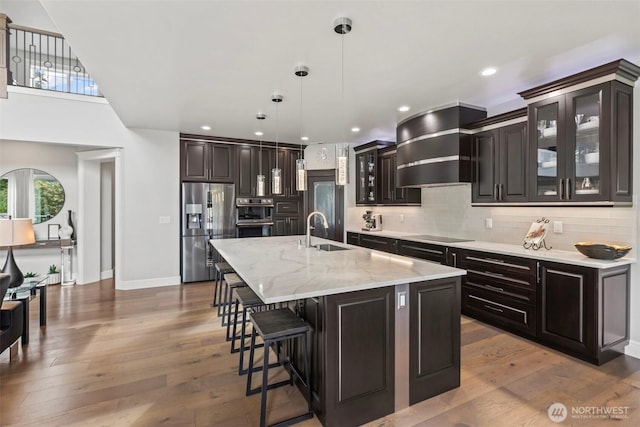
(353, 239)
(387, 192)
(376, 172)
(249, 159)
(347, 388)
(366, 177)
(426, 251)
(287, 164)
(500, 289)
(584, 311)
(288, 216)
(580, 141)
(500, 165)
(379, 243)
(207, 162)
(434, 357)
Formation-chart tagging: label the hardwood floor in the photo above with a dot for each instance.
(158, 357)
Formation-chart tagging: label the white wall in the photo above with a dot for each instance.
(149, 251)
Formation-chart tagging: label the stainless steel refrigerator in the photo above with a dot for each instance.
(208, 212)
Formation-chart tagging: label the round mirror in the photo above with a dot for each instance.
(30, 193)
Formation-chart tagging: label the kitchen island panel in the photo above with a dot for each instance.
(434, 328)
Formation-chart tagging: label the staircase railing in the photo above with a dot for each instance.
(44, 60)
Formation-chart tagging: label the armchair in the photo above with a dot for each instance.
(11, 318)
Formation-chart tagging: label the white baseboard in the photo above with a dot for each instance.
(633, 349)
(147, 283)
(106, 274)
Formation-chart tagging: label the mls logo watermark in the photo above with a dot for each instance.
(558, 412)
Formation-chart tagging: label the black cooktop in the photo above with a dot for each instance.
(440, 238)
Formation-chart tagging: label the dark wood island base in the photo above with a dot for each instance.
(377, 351)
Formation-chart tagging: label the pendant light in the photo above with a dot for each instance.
(260, 180)
(276, 173)
(342, 26)
(301, 163)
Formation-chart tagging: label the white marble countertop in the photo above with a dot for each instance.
(564, 257)
(278, 270)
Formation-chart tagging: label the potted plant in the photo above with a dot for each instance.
(54, 276)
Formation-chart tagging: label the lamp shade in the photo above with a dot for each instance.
(16, 232)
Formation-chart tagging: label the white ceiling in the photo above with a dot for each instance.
(177, 65)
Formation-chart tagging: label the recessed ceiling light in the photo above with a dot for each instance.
(488, 71)
(205, 127)
(258, 133)
(355, 129)
(304, 138)
(404, 108)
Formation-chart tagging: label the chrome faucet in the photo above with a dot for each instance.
(309, 227)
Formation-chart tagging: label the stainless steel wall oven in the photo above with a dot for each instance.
(254, 217)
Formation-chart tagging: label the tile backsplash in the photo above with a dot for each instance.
(447, 211)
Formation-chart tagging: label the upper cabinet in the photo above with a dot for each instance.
(366, 163)
(571, 147)
(387, 191)
(499, 154)
(206, 162)
(249, 167)
(376, 176)
(580, 137)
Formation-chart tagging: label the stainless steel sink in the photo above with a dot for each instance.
(330, 248)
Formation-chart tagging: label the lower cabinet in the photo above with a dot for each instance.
(578, 310)
(379, 243)
(287, 217)
(434, 338)
(424, 251)
(354, 366)
(584, 311)
(501, 290)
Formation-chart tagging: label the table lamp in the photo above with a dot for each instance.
(15, 232)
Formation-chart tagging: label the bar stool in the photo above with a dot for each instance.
(250, 303)
(274, 327)
(231, 281)
(222, 268)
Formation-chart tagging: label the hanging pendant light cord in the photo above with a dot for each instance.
(260, 156)
(344, 139)
(301, 119)
(276, 135)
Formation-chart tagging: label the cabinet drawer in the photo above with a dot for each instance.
(424, 251)
(287, 207)
(514, 267)
(378, 243)
(499, 310)
(353, 239)
(514, 287)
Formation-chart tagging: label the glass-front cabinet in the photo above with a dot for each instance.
(570, 143)
(366, 177)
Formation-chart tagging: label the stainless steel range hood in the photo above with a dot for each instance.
(434, 147)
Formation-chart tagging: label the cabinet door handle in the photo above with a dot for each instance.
(495, 191)
(500, 195)
(538, 272)
(499, 310)
(568, 188)
(561, 189)
(455, 259)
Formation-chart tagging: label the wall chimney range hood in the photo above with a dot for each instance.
(434, 148)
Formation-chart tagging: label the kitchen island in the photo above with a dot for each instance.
(385, 328)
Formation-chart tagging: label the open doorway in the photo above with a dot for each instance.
(99, 192)
(325, 196)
